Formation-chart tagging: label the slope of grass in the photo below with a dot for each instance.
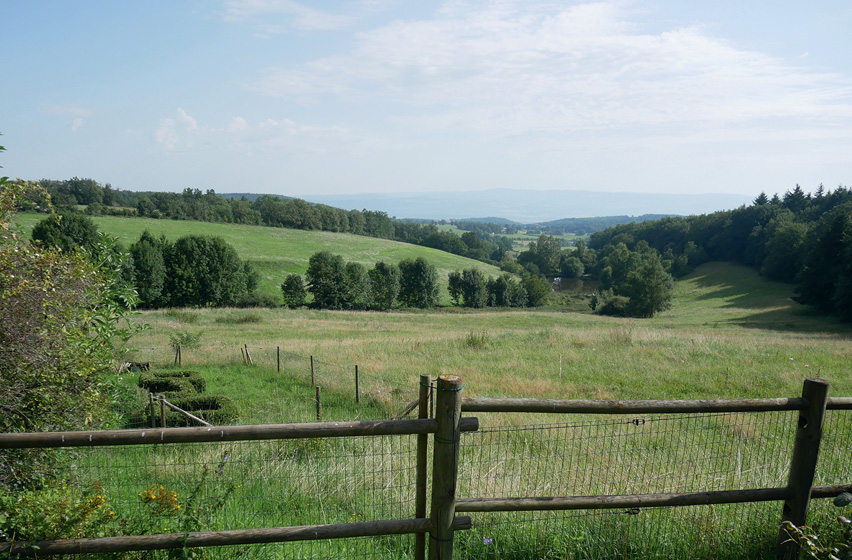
(275, 252)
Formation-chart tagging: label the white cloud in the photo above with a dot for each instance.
(514, 68)
(176, 134)
(79, 114)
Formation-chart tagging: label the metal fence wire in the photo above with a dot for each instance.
(587, 456)
(174, 488)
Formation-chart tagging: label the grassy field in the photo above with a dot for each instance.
(276, 252)
(730, 334)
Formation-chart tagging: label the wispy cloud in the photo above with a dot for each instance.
(176, 132)
(286, 13)
(79, 114)
(512, 68)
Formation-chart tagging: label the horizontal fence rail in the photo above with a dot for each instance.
(227, 538)
(578, 406)
(227, 433)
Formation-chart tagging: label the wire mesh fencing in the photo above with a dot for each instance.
(283, 385)
(619, 455)
(177, 488)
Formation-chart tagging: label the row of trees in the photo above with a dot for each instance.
(336, 284)
(471, 288)
(800, 238)
(273, 211)
(195, 270)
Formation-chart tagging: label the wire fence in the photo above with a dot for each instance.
(287, 381)
(591, 456)
(174, 488)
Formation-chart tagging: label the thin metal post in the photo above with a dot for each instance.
(803, 463)
(445, 466)
(278, 352)
(357, 386)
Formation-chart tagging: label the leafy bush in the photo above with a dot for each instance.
(216, 409)
(158, 381)
(256, 299)
(185, 339)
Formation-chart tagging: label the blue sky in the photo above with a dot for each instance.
(298, 98)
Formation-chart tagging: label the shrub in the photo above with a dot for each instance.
(185, 339)
(256, 299)
(616, 306)
(154, 380)
(216, 409)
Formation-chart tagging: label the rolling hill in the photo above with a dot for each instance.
(275, 252)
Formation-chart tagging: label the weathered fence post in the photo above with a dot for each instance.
(153, 413)
(278, 353)
(313, 378)
(803, 463)
(445, 466)
(162, 411)
(319, 405)
(248, 356)
(357, 386)
(422, 466)
(180, 356)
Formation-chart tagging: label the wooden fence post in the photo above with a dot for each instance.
(162, 411)
(180, 356)
(153, 413)
(313, 378)
(357, 386)
(445, 466)
(248, 356)
(319, 405)
(803, 463)
(422, 466)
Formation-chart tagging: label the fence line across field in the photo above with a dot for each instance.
(666, 459)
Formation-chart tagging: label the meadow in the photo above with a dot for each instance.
(729, 334)
(276, 252)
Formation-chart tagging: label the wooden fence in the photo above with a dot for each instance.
(446, 426)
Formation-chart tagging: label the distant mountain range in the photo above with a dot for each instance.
(531, 206)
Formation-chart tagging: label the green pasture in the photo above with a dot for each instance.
(730, 334)
(275, 252)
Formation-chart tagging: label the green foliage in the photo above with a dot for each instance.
(63, 319)
(359, 290)
(831, 545)
(327, 280)
(536, 288)
(205, 270)
(216, 409)
(56, 511)
(477, 340)
(384, 279)
(474, 288)
(293, 290)
(545, 253)
(185, 339)
(67, 232)
(150, 269)
(418, 283)
(506, 291)
(156, 381)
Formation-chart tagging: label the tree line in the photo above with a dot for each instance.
(269, 210)
(800, 238)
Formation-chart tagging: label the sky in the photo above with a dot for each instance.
(380, 96)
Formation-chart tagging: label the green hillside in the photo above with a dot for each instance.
(275, 252)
